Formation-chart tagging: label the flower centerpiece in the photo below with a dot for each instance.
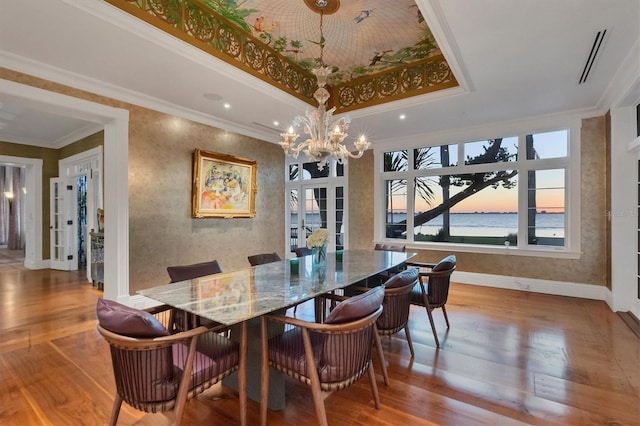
(317, 242)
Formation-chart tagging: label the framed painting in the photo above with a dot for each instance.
(223, 185)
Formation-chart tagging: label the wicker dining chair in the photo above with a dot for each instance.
(327, 357)
(149, 363)
(390, 247)
(181, 320)
(397, 303)
(303, 251)
(262, 258)
(195, 270)
(432, 290)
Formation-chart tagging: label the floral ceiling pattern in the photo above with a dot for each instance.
(380, 50)
(359, 37)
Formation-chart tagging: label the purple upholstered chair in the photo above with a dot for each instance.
(149, 363)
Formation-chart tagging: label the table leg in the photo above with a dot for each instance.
(253, 368)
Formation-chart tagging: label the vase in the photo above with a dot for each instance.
(319, 255)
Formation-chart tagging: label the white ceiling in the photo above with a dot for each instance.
(514, 60)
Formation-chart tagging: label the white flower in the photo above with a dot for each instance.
(318, 238)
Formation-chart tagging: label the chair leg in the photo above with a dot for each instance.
(446, 318)
(374, 386)
(433, 327)
(115, 412)
(383, 364)
(408, 336)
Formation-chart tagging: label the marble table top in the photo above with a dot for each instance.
(232, 297)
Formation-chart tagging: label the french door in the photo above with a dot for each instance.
(63, 224)
(316, 202)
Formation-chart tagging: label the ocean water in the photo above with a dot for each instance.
(478, 224)
(491, 224)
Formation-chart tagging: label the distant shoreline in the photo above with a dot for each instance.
(538, 212)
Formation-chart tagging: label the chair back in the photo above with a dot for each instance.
(341, 346)
(397, 301)
(303, 251)
(181, 320)
(196, 270)
(390, 247)
(346, 352)
(436, 283)
(262, 258)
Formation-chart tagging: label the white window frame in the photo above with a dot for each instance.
(571, 163)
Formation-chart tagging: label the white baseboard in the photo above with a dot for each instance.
(37, 264)
(559, 288)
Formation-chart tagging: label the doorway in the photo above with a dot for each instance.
(75, 198)
(116, 142)
(316, 200)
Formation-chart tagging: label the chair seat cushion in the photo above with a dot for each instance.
(215, 355)
(416, 294)
(287, 352)
(127, 321)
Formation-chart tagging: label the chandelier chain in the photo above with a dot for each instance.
(325, 135)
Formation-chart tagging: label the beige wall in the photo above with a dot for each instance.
(84, 144)
(162, 233)
(592, 266)
(361, 202)
(161, 230)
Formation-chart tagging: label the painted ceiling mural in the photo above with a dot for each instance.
(379, 50)
(359, 37)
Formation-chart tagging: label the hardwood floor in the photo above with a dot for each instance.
(509, 358)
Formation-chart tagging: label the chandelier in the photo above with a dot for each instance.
(325, 134)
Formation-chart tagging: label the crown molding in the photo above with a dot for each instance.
(626, 81)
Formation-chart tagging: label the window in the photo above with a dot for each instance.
(504, 192)
(316, 199)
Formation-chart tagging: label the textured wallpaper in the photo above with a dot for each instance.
(162, 232)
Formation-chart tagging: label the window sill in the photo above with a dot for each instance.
(555, 252)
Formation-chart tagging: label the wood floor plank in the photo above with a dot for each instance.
(63, 394)
(509, 357)
(15, 407)
(620, 408)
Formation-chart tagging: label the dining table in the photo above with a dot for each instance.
(239, 298)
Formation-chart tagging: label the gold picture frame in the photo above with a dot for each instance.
(224, 186)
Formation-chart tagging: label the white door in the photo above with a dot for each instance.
(63, 224)
(94, 202)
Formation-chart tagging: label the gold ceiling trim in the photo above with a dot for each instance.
(200, 26)
(416, 78)
(197, 24)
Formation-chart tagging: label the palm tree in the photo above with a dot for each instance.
(473, 182)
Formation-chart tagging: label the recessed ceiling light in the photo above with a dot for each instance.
(402, 117)
(227, 105)
(276, 123)
(212, 96)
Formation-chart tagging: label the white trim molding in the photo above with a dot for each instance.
(558, 288)
(116, 162)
